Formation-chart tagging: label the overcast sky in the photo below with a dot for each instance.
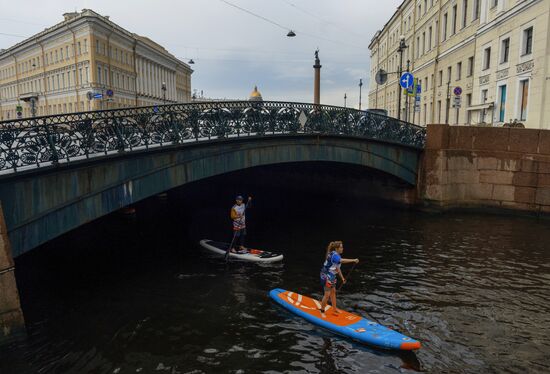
(233, 50)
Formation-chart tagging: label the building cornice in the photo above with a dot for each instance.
(504, 17)
(86, 17)
(384, 28)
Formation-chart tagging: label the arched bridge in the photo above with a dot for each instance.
(59, 172)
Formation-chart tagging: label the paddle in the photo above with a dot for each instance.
(230, 246)
(347, 276)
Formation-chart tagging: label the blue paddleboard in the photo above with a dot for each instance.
(343, 323)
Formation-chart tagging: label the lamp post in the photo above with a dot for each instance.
(345, 99)
(360, 86)
(407, 97)
(400, 49)
(163, 88)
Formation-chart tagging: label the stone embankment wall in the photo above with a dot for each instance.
(12, 324)
(486, 167)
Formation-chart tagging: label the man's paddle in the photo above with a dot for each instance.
(230, 246)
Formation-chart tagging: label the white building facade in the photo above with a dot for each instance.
(87, 62)
(496, 51)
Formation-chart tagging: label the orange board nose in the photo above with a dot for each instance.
(409, 346)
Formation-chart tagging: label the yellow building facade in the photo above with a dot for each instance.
(87, 62)
(495, 51)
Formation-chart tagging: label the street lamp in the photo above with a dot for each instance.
(163, 88)
(400, 49)
(345, 99)
(360, 86)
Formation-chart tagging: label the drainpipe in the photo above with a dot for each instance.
(46, 111)
(436, 62)
(16, 83)
(76, 81)
(134, 48)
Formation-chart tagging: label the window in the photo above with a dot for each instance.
(454, 14)
(444, 28)
(419, 10)
(464, 13)
(524, 92)
(427, 84)
(494, 3)
(504, 50)
(502, 103)
(459, 71)
(99, 74)
(487, 58)
(79, 48)
(417, 46)
(527, 41)
(439, 111)
(425, 6)
(440, 77)
(61, 54)
(85, 45)
(430, 39)
(424, 42)
(483, 101)
(477, 6)
(67, 52)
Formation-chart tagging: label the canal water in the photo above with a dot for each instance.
(130, 294)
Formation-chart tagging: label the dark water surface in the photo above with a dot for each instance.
(127, 295)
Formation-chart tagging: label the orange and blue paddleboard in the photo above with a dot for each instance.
(343, 323)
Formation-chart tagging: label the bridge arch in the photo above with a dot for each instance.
(44, 203)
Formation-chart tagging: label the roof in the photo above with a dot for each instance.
(74, 17)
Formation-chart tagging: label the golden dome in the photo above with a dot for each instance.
(255, 95)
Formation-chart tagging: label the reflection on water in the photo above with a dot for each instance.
(138, 295)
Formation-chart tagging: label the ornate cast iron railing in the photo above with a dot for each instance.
(49, 140)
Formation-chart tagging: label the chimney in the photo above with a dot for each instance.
(69, 16)
(106, 17)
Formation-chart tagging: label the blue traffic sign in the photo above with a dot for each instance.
(406, 80)
(98, 96)
(457, 91)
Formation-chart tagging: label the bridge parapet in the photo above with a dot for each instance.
(50, 140)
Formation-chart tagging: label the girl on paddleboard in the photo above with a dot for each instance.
(330, 269)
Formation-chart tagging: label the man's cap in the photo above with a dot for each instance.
(239, 197)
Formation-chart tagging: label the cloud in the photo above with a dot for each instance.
(233, 50)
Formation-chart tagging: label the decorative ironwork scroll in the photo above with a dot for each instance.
(50, 140)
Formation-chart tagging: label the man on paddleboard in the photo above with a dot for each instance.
(329, 271)
(238, 215)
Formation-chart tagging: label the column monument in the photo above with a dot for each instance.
(317, 82)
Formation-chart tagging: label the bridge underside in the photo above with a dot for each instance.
(43, 204)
